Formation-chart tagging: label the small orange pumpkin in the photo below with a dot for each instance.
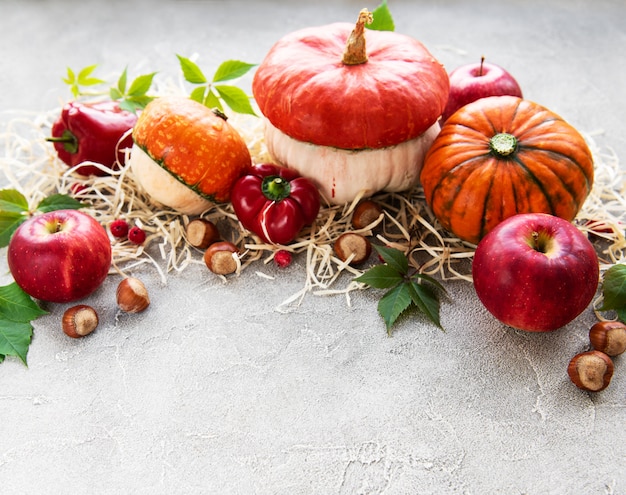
(500, 156)
(185, 155)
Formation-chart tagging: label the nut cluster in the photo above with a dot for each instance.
(592, 370)
(355, 247)
(81, 320)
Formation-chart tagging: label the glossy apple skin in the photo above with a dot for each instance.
(528, 289)
(468, 85)
(59, 256)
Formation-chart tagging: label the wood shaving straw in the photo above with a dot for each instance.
(30, 165)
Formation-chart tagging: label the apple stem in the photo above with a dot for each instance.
(540, 243)
(482, 61)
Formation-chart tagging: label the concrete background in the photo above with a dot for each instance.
(213, 391)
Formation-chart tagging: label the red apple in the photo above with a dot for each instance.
(59, 256)
(471, 82)
(535, 272)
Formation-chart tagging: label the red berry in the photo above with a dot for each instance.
(282, 258)
(136, 235)
(119, 228)
(77, 189)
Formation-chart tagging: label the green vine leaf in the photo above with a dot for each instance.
(231, 69)
(135, 97)
(404, 290)
(14, 210)
(83, 79)
(214, 95)
(191, 72)
(235, 98)
(16, 305)
(381, 277)
(382, 18)
(614, 291)
(13, 201)
(393, 304)
(426, 300)
(17, 310)
(9, 222)
(58, 202)
(15, 339)
(394, 258)
(212, 101)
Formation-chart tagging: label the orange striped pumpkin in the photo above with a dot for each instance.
(500, 156)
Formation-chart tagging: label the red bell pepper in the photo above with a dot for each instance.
(92, 132)
(275, 202)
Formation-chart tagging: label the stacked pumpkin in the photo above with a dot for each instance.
(353, 112)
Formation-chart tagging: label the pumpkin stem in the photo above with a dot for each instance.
(355, 52)
(503, 144)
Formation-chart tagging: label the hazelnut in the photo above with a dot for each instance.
(79, 321)
(222, 258)
(132, 295)
(591, 370)
(201, 233)
(608, 337)
(353, 246)
(365, 213)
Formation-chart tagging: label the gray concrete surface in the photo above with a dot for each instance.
(212, 391)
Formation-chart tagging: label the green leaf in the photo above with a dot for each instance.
(212, 101)
(191, 71)
(381, 277)
(71, 77)
(9, 222)
(621, 314)
(13, 201)
(59, 202)
(17, 310)
(134, 103)
(430, 279)
(17, 306)
(84, 77)
(393, 304)
(231, 69)
(426, 300)
(614, 288)
(121, 82)
(236, 98)
(394, 258)
(15, 339)
(141, 85)
(382, 18)
(198, 94)
(115, 94)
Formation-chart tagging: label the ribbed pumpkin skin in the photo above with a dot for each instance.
(200, 149)
(305, 90)
(471, 189)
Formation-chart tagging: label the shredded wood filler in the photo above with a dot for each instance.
(30, 165)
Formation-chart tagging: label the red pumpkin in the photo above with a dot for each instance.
(329, 102)
(500, 156)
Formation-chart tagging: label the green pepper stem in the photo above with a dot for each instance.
(275, 188)
(70, 143)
